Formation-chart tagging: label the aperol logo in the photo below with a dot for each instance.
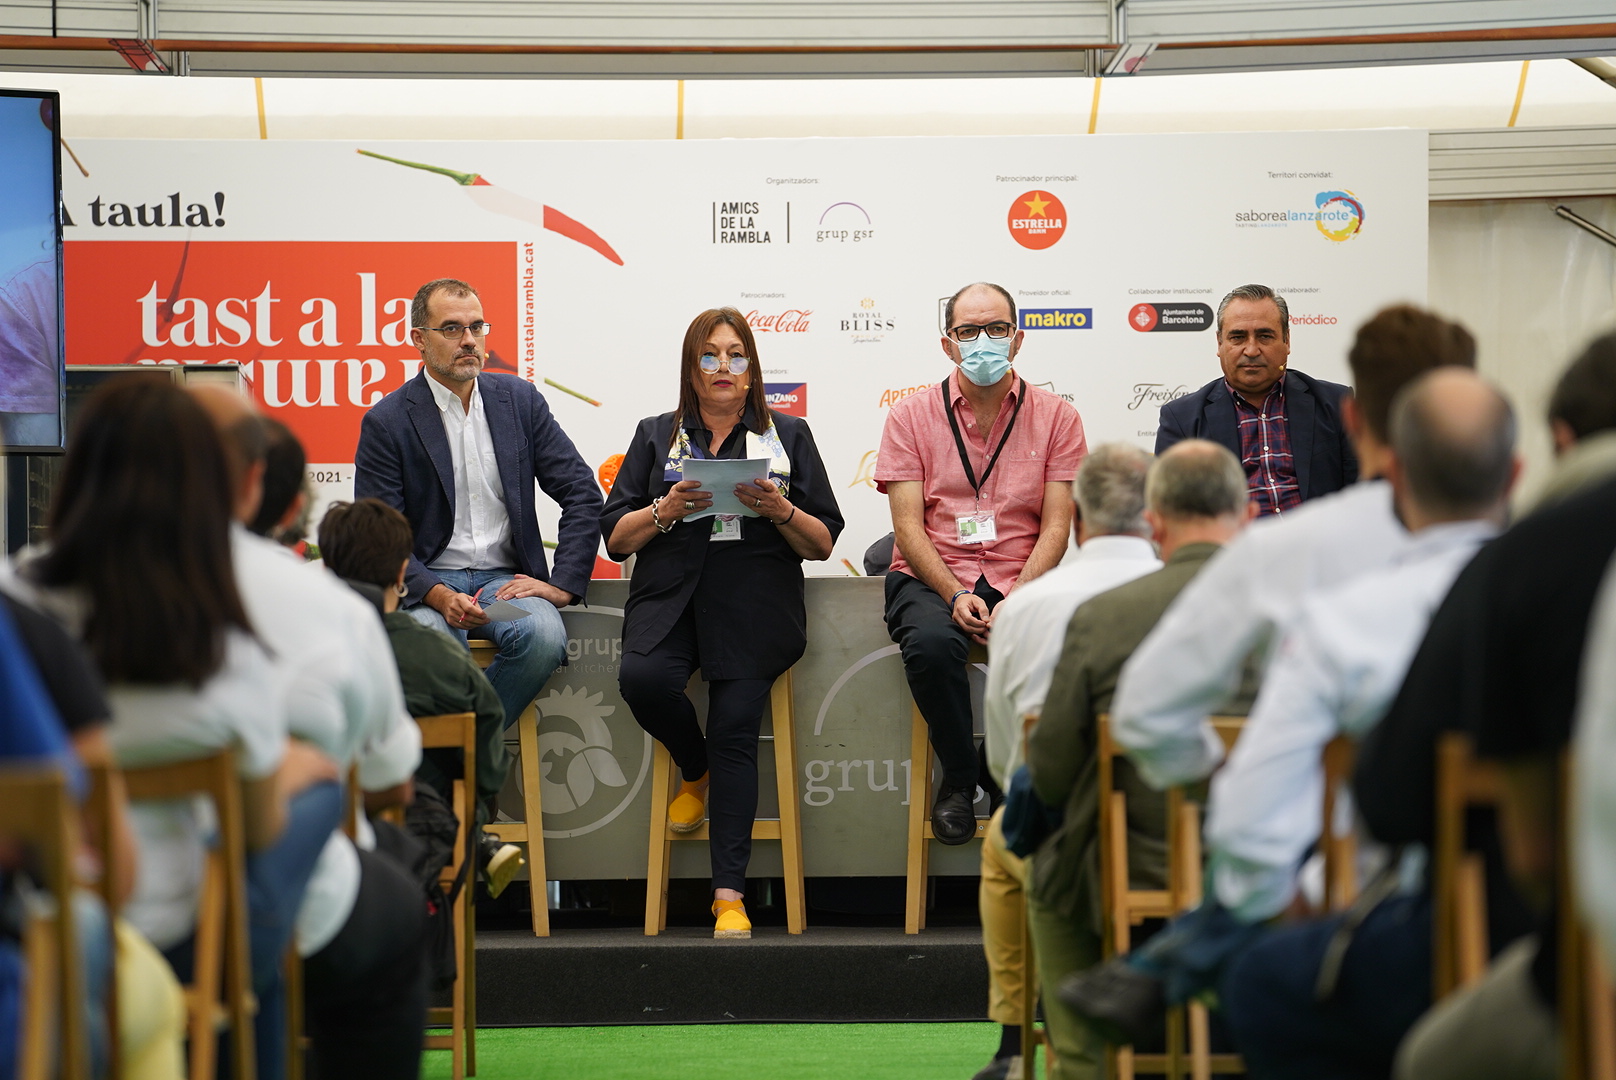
(1037, 220)
(1340, 214)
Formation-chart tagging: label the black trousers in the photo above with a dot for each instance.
(653, 685)
(365, 993)
(934, 651)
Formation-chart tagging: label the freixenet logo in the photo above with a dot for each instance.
(1037, 220)
(1155, 394)
(792, 321)
(789, 398)
(1148, 318)
(1057, 318)
(1339, 216)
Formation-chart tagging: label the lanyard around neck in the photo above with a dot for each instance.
(959, 441)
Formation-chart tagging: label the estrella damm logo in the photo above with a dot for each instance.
(1057, 318)
(1340, 214)
(1037, 220)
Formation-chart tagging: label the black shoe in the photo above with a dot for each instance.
(499, 862)
(1124, 1004)
(953, 821)
(1000, 1068)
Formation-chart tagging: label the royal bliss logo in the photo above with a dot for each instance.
(866, 324)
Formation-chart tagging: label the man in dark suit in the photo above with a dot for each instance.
(456, 450)
(1284, 426)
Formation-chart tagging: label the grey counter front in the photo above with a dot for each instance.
(852, 711)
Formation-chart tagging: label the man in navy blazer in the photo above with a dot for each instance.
(456, 450)
(1284, 426)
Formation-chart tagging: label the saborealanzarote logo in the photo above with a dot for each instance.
(1341, 214)
(1037, 220)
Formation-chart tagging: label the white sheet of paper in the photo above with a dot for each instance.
(720, 476)
(505, 611)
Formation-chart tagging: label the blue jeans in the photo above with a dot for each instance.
(95, 954)
(1284, 1031)
(530, 649)
(276, 880)
(1189, 954)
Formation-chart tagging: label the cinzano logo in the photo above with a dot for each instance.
(788, 398)
(1057, 318)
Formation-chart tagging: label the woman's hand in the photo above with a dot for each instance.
(764, 497)
(685, 498)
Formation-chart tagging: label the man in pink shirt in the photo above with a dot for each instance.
(978, 474)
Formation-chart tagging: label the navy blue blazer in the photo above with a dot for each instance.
(403, 459)
(1325, 460)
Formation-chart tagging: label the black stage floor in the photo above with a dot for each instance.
(683, 976)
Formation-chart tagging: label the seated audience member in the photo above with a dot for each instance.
(1196, 654)
(1502, 661)
(151, 1007)
(1594, 786)
(283, 513)
(140, 567)
(360, 927)
(1195, 501)
(1582, 421)
(1114, 547)
(1286, 427)
(1336, 670)
(369, 542)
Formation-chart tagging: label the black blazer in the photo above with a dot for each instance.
(751, 622)
(403, 460)
(1324, 458)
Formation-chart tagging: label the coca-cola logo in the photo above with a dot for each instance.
(792, 321)
(1155, 394)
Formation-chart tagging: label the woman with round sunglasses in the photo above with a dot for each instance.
(724, 593)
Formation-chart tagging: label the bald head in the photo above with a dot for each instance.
(245, 443)
(1196, 478)
(1454, 437)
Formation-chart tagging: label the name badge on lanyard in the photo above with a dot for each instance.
(726, 527)
(978, 527)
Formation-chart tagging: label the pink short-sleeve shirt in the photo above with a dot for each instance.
(1046, 446)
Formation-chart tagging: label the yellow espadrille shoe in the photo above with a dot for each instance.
(689, 808)
(732, 920)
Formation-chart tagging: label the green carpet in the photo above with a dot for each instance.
(698, 1051)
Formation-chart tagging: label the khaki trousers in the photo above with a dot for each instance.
(1002, 899)
(1062, 947)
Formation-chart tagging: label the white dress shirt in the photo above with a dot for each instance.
(343, 696)
(1245, 596)
(1029, 627)
(1593, 808)
(1335, 672)
(482, 528)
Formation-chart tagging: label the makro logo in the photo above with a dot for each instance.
(1155, 394)
(1057, 318)
(843, 223)
(1339, 216)
(788, 398)
(1148, 318)
(890, 398)
(792, 321)
(1037, 220)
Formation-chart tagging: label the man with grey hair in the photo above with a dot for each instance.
(1195, 501)
(1114, 547)
(1285, 427)
(1343, 659)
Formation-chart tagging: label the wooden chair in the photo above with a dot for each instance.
(917, 868)
(528, 832)
(1459, 889)
(1587, 1006)
(1032, 1035)
(787, 828)
(223, 962)
(106, 792)
(459, 731)
(36, 809)
(1123, 907)
(1340, 848)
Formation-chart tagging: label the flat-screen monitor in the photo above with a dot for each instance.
(32, 376)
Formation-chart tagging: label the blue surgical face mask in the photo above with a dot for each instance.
(985, 360)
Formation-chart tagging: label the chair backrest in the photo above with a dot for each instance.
(1459, 905)
(36, 809)
(100, 817)
(1586, 1004)
(223, 961)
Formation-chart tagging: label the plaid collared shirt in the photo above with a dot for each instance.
(1265, 451)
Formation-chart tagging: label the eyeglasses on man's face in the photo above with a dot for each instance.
(970, 332)
(455, 331)
(736, 365)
